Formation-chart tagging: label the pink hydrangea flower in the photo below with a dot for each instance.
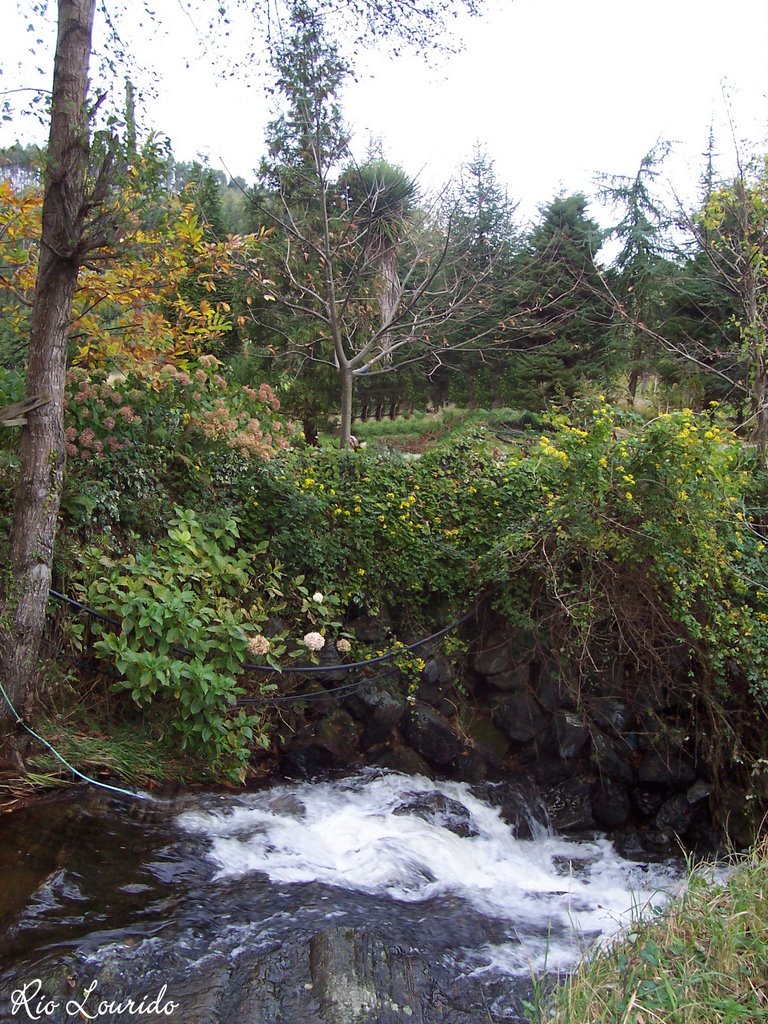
(258, 645)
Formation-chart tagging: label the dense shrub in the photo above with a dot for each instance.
(603, 535)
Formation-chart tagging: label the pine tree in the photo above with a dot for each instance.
(641, 267)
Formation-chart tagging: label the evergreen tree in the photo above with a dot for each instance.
(487, 238)
(641, 268)
(561, 319)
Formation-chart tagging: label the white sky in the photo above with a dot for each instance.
(555, 90)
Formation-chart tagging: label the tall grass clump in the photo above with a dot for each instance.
(701, 960)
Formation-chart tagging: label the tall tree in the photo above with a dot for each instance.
(641, 267)
(66, 240)
(351, 247)
(487, 240)
(561, 319)
(732, 232)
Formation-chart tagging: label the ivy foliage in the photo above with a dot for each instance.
(605, 535)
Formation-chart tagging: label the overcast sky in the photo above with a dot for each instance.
(555, 90)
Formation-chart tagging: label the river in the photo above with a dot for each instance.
(373, 898)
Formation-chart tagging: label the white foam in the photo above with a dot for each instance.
(346, 835)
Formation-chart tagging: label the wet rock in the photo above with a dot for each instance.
(403, 759)
(288, 805)
(441, 811)
(673, 768)
(628, 844)
(431, 736)
(610, 804)
(520, 804)
(659, 843)
(519, 716)
(570, 806)
(469, 766)
(344, 977)
(305, 762)
(571, 732)
(646, 845)
(675, 816)
(613, 757)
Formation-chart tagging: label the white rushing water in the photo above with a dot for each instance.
(555, 894)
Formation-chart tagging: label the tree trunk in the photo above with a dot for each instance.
(38, 493)
(759, 399)
(347, 383)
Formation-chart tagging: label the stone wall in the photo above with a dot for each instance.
(613, 754)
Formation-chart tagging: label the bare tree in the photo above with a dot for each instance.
(370, 278)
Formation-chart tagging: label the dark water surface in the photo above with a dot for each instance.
(374, 898)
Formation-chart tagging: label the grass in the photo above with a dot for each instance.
(702, 960)
(417, 425)
(420, 430)
(128, 753)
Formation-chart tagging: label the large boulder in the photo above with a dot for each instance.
(519, 716)
(431, 736)
(613, 756)
(572, 734)
(569, 806)
(667, 768)
(610, 804)
(439, 810)
(520, 805)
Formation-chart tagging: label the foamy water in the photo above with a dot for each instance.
(556, 895)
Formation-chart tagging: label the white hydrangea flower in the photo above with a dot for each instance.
(343, 646)
(314, 641)
(317, 596)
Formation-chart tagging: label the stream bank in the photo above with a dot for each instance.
(616, 752)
